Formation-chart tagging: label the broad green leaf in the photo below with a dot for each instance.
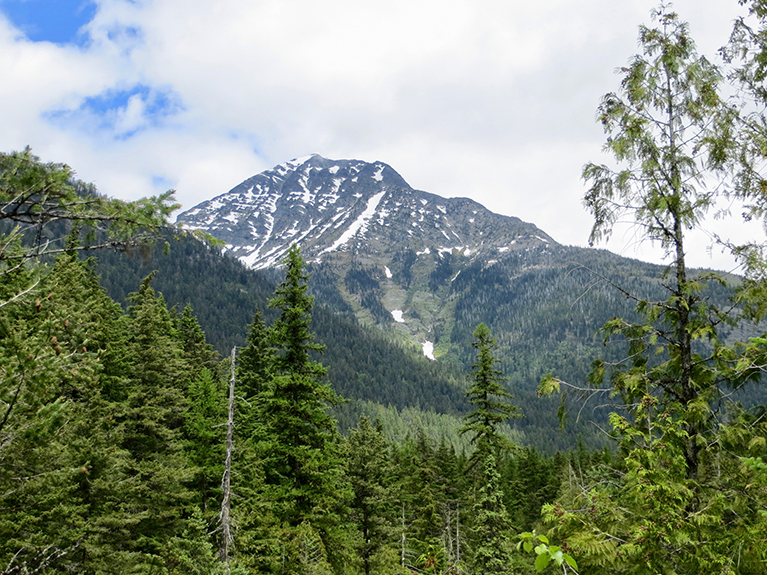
(571, 562)
(558, 556)
(542, 561)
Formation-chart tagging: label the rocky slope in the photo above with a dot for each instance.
(389, 251)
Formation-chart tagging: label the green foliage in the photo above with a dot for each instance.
(492, 539)
(192, 553)
(300, 449)
(371, 507)
(35, 197)
(666, 506)
(484, 395)
(545, 554)
(204, 439)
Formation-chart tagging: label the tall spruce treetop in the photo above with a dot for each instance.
(300, 453)
(486, 394)
(292, 331)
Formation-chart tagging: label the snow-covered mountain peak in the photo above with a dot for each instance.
(329, 206)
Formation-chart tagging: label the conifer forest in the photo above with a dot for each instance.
(131, 444)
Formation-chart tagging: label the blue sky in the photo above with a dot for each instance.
(491, 99)
(121, 112)
(56, 21)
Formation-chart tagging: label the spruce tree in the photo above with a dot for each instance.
(485, 394)
(300, 452)
(152, 420)
(490, 521)
(198, 353)
(425, 539)
(52, 431)
(371, 508)
(255, 360)
(491, 533)
(204, 440)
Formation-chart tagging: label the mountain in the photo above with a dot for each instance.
(392, 249)
(425, 270)
(330, 206)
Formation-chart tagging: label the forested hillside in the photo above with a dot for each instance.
(363, 364)
(545, 317)
(129, 444)
(114, 435)
(539, 329)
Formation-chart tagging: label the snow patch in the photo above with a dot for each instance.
(358, 225)
(334, 169)
(471, 220)
(388, 273)
(503, 249)
(377, 176)
(442, 209)
(424, 202)
(397, 315)
(428, 350)
(426, 251)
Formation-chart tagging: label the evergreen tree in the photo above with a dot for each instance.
(490, 522)
(260, 537)
(300, 452)
(52, 421)
(152, 418)
(204, 440)
(36, 198)
(663, 507)
(491, 533)
(371, 507)
(451, 483)
(424, 541)
(255, 360)
(198, 353)
(485, 394)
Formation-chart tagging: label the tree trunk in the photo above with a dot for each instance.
(226, 503)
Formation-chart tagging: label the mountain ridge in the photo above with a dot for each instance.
(389, 252)
(323, 205)
(422, 274)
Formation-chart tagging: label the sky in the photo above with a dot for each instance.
(489, 99)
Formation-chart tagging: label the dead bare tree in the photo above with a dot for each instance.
(226, 504)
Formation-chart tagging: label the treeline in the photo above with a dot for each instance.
(113, 448)
(363, 364)
(367, 366)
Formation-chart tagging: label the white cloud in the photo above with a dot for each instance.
(491, 99)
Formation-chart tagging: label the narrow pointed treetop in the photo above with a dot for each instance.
(487, 395)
